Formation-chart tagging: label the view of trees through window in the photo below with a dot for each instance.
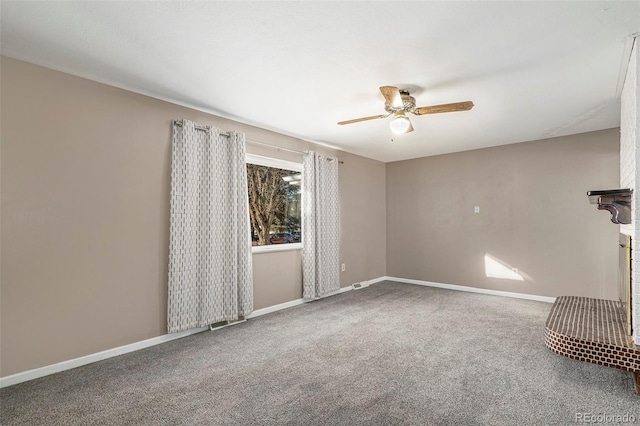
(274, 205)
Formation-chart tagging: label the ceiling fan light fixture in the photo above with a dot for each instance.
(400, 124)
(398, 103)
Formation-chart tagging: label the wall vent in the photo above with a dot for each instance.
(358, 286)
(223, 324)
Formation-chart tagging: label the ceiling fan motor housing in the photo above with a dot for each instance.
(399, 102)
(408, 103)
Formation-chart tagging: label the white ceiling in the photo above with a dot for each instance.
(533, 69)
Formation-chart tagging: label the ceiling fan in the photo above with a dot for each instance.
(399, 102)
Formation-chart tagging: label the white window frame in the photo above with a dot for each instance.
(278, 164)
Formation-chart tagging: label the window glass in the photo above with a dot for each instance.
(274, 204)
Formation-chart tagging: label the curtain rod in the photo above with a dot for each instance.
(279, 148)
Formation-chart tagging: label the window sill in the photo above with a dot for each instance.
(276, 247)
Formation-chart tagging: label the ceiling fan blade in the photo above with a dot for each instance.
(356, 120)
(392, 96)
(436, 109)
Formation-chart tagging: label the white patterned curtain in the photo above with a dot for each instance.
(320, 226)
(210, 271)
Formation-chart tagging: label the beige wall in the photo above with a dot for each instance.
(84, 169)
(85, 195)
(534, 216)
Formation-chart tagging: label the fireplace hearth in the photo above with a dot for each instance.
(595, 330)
(592, 330)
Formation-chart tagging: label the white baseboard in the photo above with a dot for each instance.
(89, 359)
(292, 303)
(546, 299)
(274, 308)
(109, 353)
(340, 290)
(378, 280)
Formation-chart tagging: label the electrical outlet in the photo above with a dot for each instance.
(476, 209)
(343, 267)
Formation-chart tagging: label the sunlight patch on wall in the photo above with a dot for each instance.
(495, 268)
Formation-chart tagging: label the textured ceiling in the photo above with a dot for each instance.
(533, 69)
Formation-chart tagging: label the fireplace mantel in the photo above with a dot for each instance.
(615, 201)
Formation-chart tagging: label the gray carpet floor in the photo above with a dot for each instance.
(390, 354)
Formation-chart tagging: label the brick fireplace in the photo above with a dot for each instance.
(630, 170)
(625, 284)
(595, 330)
(607, 332)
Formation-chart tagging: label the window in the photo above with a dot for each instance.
(274, 203)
